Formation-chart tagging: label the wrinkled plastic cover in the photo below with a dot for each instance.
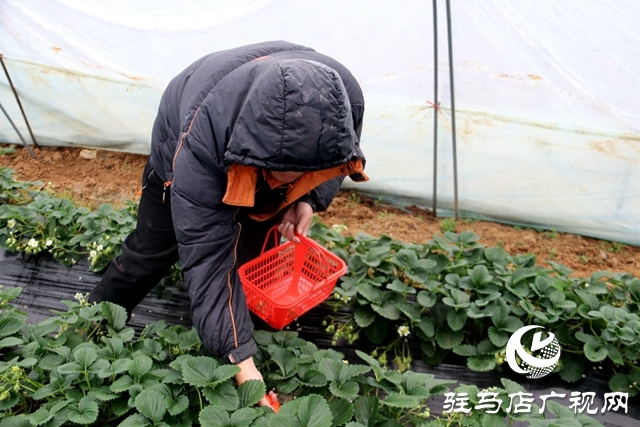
(547, 93)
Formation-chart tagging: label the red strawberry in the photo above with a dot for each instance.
(273, 400)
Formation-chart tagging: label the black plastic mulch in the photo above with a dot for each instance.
(45, 283)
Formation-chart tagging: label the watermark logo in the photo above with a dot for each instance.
(547, 350)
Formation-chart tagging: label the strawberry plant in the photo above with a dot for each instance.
(11, 190)
(452, 296)
(84, 366)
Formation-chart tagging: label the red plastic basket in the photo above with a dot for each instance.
(289, 280)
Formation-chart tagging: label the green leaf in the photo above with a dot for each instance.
(365, 410)
(468, 237)
(560, 268)
(189, 340)
(151, 404)
(313, 411)
(341, 410)
(456, 319)
(511, 324)
(176, 406)
(496, 255)
(40, 416)
(458, 299)
(387, 310)
(135, 420)
(400, 287)
(45, 391)
(512, 386)
(376, 254)
(214, 416)
(70, 368)
(103, 394)
(588, 339)
(9, 402)
(398, 400)
(595, 354)
(615, 355)
(28, 362)
(223, 395)
(523, 274)
(11, 324)
(287, 386)
(499, 317)
(522, 289)
(465, 350)
(85, 356)
(492, 420)
(481, 363)
(17, 421)
(370, 292)
(448, 339)
(426, 299)
(377, 331)
(480, 275)
(364, 316)
(121, 384)
(486, 347)
(572, 368)
(286, 361)
(85, 413)
(347, 390)
(283, 419)
(198, 371)
(619, 382)
(499, 339)
(405, 258)
(559, 410)
(120, 406)
(426, 326)
(250, 392)
(223, 373)
(243, 417)
(10, 341)
(375, 365)
(140, 366)
(588, 299)
(314, 378)
(51, 362)
(410, 310)
(115, 315)
(117, 367)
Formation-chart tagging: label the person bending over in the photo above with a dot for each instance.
(244, 139)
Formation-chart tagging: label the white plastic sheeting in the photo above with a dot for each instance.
(547, 92)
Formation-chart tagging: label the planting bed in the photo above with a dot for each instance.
(442, 306)
(113, 177)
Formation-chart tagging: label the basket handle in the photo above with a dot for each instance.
(275, 237)
(311, 244)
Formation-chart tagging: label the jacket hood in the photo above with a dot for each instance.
(295, 117)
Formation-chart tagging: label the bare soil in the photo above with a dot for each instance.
(113, 177)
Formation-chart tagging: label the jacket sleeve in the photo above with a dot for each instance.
(207, 235)
(321, 197)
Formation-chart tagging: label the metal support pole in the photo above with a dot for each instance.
(17, 131)
(15, 93)
(453, 115)
(435, 107)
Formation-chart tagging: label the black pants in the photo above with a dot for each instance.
(151, 249)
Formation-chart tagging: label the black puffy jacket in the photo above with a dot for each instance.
(274, 106)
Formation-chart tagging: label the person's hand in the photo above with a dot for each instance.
(297, 219)
(248, 371)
